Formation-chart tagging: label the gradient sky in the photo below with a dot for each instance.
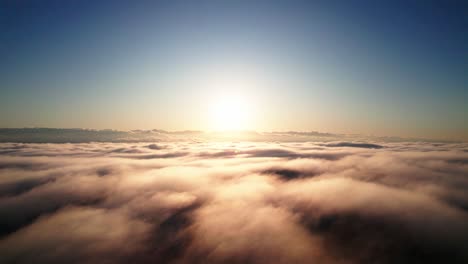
(387, 68)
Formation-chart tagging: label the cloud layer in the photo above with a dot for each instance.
(246, 202)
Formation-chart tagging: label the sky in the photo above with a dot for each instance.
(393, 68)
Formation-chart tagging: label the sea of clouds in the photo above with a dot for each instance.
(241, 202)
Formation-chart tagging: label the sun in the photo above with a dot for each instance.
(229, 98)
(230, 112)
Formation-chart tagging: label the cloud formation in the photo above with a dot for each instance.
(78, 135)
(246, 202)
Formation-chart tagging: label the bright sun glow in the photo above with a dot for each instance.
(230, 97)
(230, 112)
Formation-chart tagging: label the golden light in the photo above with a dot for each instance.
(229, 97)
(230, 112)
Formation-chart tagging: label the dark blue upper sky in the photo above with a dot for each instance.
(374, 67)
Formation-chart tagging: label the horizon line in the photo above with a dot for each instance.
(240, 131)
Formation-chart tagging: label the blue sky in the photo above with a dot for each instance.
(386, 68)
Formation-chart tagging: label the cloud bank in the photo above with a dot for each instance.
(245, 202)
(78, 135)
